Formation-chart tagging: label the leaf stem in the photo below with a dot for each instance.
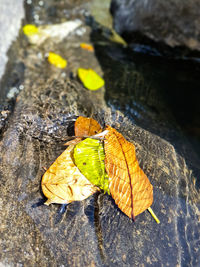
(153, 215)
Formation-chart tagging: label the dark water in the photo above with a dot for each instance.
(152, 87)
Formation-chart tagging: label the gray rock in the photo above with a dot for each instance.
(174, 23)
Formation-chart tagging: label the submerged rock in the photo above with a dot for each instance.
(173, 23)
(94, 231)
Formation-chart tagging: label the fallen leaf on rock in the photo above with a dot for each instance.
(86, 127)
(87, 47)
(57, 60)
(80, 171)
(89, 158)
(129, 186)
(90, 79)
(63, 183)
(30, 29)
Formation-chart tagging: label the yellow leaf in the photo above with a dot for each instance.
(30, 29)
(87, 47)
(63, 183)
(57, 60)
(90, 79)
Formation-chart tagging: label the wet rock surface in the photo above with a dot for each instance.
(159, 23)
(93, 232)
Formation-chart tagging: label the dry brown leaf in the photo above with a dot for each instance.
(63, 183)
(86, 127)
(129, 186)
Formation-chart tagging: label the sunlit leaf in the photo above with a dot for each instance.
(87, 47)
(129, 186)
(89, 158)
(64, 183)
(90, 79)
(80, 170)
(30, 29)
(86, 127)
(57, 60)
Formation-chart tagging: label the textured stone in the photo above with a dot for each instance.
(174, 23)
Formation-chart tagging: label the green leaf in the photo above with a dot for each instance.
(89, 158)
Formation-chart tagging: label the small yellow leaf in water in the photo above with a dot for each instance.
(30, 29)
(90, 79)
(87, 47)
(57, 60)
(63, 183)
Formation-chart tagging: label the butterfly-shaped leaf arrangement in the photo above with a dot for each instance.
(95, 163)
